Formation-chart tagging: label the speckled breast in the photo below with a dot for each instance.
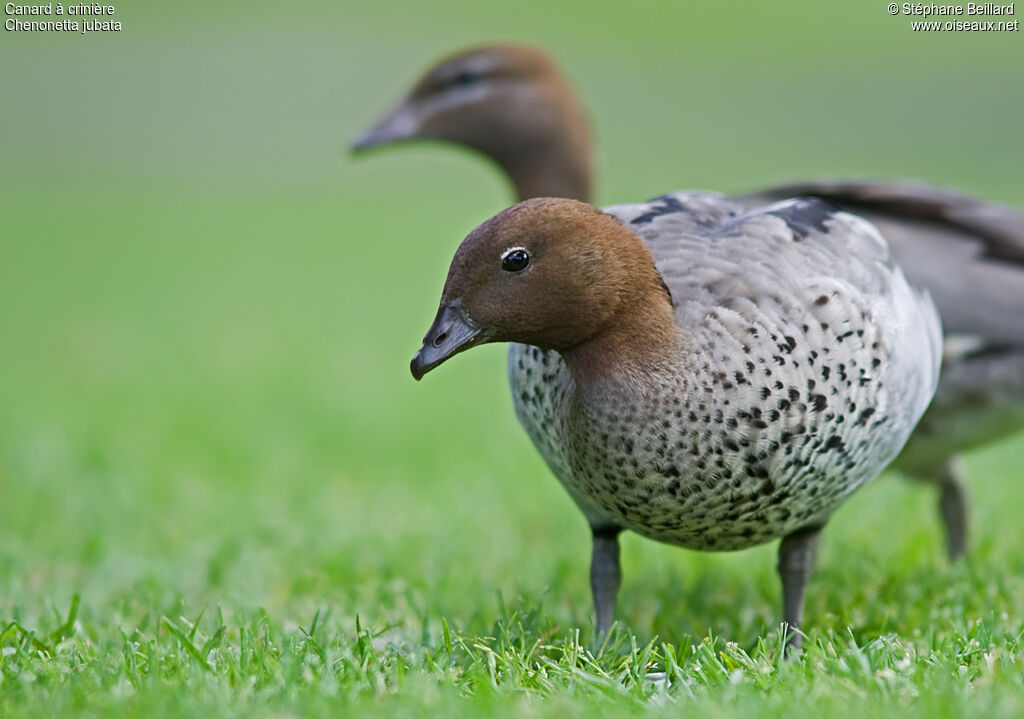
(731, 458)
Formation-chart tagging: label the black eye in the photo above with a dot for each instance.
(465, 77)
(515, 260)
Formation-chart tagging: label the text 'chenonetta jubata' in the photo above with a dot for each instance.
(723, 376)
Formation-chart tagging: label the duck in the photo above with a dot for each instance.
(513, 105)
(726, 375)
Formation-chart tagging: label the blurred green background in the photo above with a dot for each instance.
(207, 308)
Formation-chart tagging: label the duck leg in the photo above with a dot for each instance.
(953, 505)
(605, 576)
(796, 557)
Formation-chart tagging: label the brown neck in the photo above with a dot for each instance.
(554, 162)
(552, 171)
(640, 340)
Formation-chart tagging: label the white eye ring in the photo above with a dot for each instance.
(515, 259)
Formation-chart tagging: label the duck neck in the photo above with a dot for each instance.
(559, 167)
(642, 343)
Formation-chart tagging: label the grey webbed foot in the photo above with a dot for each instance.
(605, 576)
(796, 557)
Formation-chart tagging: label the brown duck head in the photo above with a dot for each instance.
(508, 102)
(558, 274)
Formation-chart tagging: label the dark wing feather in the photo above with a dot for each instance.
(968, 253)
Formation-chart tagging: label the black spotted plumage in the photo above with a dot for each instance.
(704, 460)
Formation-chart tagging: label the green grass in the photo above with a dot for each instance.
(221, 493)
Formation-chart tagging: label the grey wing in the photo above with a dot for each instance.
(711, 247)
(743, 267)
(969, 254)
